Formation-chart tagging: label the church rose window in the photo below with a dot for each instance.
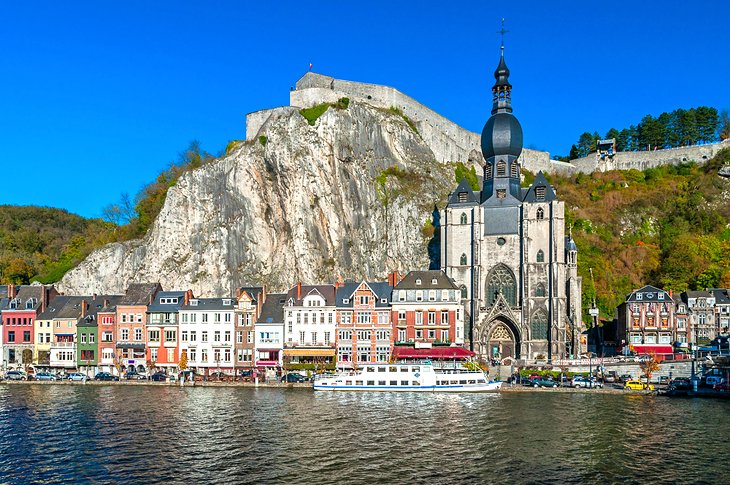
(540, 256)
(463, 218)
(501, 282)
(539, 325)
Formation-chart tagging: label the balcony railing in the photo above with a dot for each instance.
(63, 345)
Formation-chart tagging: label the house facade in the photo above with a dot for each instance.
(249, 301)
(722, 310)
(207, 332)
(646, 322)
(364, 327)
(309, 335)
(701, 308)
(131, 326)
(269, 333)
(162, 329)
(24, 304)
(106, 318)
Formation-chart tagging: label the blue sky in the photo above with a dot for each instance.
(96, 98)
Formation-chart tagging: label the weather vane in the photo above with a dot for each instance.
(502, 31)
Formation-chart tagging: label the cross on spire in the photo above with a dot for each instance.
(502, 31)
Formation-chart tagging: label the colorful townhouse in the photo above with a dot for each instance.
(3, 304)
(364, 327)
(269, 333)
(162, 329)
(106, 318)
(65, 326)
(701, 307)
(646, 322)
(131, 326)
(24, 304)
(206, 334)
(249, 301)
(44, 332)
(427, 308)
(722, 310)
(310, 331)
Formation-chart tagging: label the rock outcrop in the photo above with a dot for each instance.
(345, 198)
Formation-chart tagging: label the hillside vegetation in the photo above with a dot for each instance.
(665, 226)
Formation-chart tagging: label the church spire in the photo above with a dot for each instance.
(502, 89)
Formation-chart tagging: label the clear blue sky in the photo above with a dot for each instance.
(96, 98)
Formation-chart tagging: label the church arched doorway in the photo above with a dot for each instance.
(500, 340)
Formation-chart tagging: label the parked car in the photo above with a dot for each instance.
(218, 375)
(542, 382)
(638, 386)
(712, 380)
(16, 375)
(586, 382)
(133, 376)
(159, 377)
(664, 380)
(610, 376)
(77, 377)
(293, 377)
(625, 378)
(680, 382)
(105, 376)
(45, 376)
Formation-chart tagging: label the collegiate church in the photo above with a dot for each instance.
(506, 247)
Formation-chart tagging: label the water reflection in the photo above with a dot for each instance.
(139, 434)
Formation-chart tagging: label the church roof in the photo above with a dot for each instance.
(463, 188)
(540, 190)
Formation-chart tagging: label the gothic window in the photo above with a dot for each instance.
(540, 290)
(501, 168)
(539, 325)
(540, 256)
(463, 260)
(463, 218)
(540, 213)
(463, 291)
(501, 282)
(514, 170)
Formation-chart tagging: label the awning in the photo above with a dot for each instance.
(652, 349)
(401, 352)
(310, 352)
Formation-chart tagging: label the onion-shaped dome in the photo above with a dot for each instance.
(502, 135)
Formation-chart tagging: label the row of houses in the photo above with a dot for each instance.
(339, 325)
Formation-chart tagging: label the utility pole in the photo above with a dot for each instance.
(593, 312)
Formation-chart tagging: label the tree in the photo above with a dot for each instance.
(587, 143)
(574, 153)
(612, 133)
(462, 171)
(183, 360)
(724, 125)
(708, 121)
(651, 133)
(649, 366)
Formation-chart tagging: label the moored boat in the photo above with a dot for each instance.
(407, 377)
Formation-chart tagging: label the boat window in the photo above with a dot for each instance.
(454, 382)
(472, 381)
(381, 383)
(416, 369)
(358, 383)
(463, 381)
(403, 383)
(349, 383)
(404, 369)
(482, 381)
(371, 383)
(370, 369)
(416, 383)
(392, 369)
(393, 383)
(381, 369)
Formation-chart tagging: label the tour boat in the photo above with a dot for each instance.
(407, 377)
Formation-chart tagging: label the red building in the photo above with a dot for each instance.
(18, 319)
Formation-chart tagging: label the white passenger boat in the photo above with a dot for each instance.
(407, 377)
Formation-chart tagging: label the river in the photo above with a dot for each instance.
(146, 434)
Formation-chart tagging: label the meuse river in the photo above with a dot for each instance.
(144, 434)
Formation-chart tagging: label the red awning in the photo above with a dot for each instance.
(653, 349)
(432, 353)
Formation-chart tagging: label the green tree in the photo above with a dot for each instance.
(650, 133)
(723, 130)
(587, 143)
(462, 171)
(708, 120)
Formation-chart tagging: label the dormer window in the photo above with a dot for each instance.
(418, 282)
(540, 192)
(639, 296)
(226, 301)
(193, 302)
(660, 296)
(434, 281)
(168, 301)
(346, 301)
(29, 304)
(463, 196)
(383, 300)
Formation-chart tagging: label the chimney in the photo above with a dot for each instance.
(93, 297)
(106, 303)
(671, 293)
(11, 292)
(238, 293)
(187, 297)
(44, 296)
(84, 305)
(152, 298)
(299, 290)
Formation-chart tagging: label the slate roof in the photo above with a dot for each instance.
(381, 289)
(463, 187)
(443, 282)
(253, 291)
(698, 294)
(209, 304)
(139, 294)
(157, 306)
(539, 181)
(23, 294)
(54, 307)
(327, 291)
(273, 308)
(645, 291)
(722, 296)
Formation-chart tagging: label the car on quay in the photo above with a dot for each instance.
(158, 377)
(77, 377)
(134, 376)
(45, 376)
(624, 378)
(17, 375)
(634, 385)
(293, 377)
(543, 382)
(586, 382)
(105, 376)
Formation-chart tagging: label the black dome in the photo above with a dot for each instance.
(502, 135)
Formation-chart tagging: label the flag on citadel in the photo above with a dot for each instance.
(310, 66)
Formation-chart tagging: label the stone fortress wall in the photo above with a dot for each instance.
(450, 142)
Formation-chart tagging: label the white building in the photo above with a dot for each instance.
(269, 332)
(206, 334)
(310, 317)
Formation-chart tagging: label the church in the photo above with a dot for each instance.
(507, 248)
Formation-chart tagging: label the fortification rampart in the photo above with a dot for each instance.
(255, 120)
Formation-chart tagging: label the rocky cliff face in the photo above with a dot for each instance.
(346, 198)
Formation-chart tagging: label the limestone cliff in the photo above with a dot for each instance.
(347, 197)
